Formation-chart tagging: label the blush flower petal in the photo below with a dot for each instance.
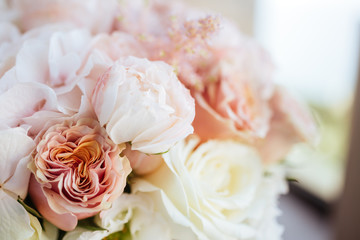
(291, 123)
(78, 170)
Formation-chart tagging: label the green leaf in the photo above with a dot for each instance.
(121, 235)
(267, 174)
(289, 179)
(29, 209)
(161, 153)
(89, 224)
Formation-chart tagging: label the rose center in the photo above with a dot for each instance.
(80, 157)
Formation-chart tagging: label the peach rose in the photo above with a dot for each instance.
(77, 172)
(232, 99)
(144, 103)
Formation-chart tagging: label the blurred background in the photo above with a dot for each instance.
(315, 47)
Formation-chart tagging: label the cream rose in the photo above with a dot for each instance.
(78, 172)
(134, 216)
(210, 188)
(143, 102)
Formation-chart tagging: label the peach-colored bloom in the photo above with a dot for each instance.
(291, 123)
(232, 99)
(77, 172)
(144, 103)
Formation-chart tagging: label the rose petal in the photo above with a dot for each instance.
(66, 222)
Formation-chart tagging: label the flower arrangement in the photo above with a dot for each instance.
(138, 119)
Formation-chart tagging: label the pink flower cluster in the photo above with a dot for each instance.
(102, 89)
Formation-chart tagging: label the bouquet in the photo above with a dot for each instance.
(138, 119)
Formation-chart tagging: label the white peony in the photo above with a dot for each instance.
(144, 103)
(215, 188)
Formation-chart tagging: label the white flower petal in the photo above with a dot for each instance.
(15, 146)
(23, 100)
(15, 220)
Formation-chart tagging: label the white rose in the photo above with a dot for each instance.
(210, 188)
(133, 215)
(144, 103)
(264, 209)
(46, 231)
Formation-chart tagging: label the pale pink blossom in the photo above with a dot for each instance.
(144, 103)
(94, 15)
(7, 13)
(23, 100)
(103, 51)
(53, 56)
(9, 37)
(153, 18)
(118, 45)
(78, 172)
(291, 123)
(170, 32)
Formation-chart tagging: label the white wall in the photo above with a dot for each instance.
(314, 44)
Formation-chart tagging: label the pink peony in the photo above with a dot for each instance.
(77, 172)
(144, 103)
